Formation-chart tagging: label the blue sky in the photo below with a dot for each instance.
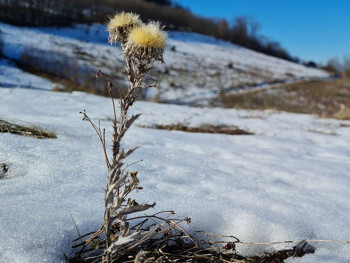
(309, 29)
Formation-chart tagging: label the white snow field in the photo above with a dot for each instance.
(289, 181)
(197, 67)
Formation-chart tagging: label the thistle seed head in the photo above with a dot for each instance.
(120, 26)
(146, 42)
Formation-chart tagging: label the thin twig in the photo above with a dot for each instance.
(114, 81)
(75, 225)
(293, 241)
(131, 164)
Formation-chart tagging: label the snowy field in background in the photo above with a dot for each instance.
(289, 181)
(197, 67)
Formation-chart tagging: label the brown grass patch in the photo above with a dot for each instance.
(67, 72)
(223, 129)
(329, 99)
(36, 132)
(343, 113)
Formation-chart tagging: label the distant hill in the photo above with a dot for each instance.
(198, 67)
(171, 14)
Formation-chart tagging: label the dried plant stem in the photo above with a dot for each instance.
(114, 196)
(138, 61)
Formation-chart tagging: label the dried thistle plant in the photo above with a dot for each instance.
(142, 45)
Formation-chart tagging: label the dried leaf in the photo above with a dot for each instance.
(134, 237)
(130, 152)
(131, 209)
(131, 120)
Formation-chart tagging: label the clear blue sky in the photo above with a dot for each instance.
(310, 29)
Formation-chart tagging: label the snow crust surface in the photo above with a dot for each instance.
(289, 181)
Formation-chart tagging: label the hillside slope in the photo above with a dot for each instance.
(197, 67)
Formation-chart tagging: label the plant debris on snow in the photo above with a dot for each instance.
(231, 130)
(167, 241)
(36, 132)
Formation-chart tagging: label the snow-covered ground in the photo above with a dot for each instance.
(288, 181)
(197, 67)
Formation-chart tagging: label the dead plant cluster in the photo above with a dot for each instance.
(3, 170)
(30, 131)
(206, 128)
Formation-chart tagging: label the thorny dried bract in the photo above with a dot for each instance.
(142, 44)
(120, 25)
(146, 43)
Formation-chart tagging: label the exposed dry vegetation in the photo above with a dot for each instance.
(329, 99)
(3, 170)
(231, 130)
(57, 66)
(69, 73)
(30, 131)
(340, 66)
(174, 244)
